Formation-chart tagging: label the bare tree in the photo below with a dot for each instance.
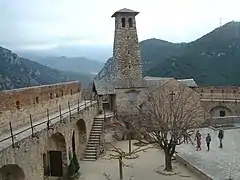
(120, 154)
(120, 129)
(169, 115)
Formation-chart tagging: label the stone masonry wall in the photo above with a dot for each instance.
(20, 103)
(29, 155)
(123, 104)
(126, 51)
(219, 92)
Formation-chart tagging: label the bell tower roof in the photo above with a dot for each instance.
(125, 10)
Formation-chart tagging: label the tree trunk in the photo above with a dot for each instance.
(129, 142)
(120, 168)
(168, 162)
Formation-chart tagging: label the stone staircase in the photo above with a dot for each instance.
(94, 139)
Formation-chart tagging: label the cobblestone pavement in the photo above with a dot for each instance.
(218, 163)
(144, 167)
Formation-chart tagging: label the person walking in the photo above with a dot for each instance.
(220, 136)
(208, 141)
(198, 138)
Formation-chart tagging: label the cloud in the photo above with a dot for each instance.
(44, 23)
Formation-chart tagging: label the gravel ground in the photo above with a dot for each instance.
(144, 167)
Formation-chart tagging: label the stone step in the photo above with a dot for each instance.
(90, 150)
(96, 130)
(88, 153)
(93, 140)
(92, 136)
(94, 143)
(87, 159)
(91, 146)
(90, 158)
(97, 124)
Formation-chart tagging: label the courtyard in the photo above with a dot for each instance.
(144, 167)
(220, 164)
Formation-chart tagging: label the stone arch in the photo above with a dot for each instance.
(57, 155)
(130, 22)
(220, 111)
(11, 171)
(81, 137)
(123, 21)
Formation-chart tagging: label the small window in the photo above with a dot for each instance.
(71, 92)
(234, 91)
(37, 100)
(222, 91)
(129, 67)
(202, 91)
(130, 22)
(62, 93)
(222, 113)
(78, 89)
(57, 95)
(18, 104)
(128, 51)
(123, 22)
(127, 37)
(51, 95)
(211, 91)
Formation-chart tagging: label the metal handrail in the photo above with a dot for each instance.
(47, 121)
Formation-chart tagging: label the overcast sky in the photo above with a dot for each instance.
(48, 23)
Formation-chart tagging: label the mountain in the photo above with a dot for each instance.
(89, 51)
(17, 72)
(75, 64)
(213, 59)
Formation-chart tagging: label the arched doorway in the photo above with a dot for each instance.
(220, 111)
(55, 161)
(11, 172)
(81, 138)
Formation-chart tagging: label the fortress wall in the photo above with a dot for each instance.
(219, 92)
(16, 105)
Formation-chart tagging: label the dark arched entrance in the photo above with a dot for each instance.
(11, 172)
(220, 111)
(55, 160)
(81, 138)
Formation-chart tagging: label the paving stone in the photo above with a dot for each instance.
(217, 163)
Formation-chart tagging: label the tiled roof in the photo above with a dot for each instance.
(103, 81)
(155, 82)
(188, 82)
(125, 10)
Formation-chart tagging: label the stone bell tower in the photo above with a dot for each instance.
(126, 50)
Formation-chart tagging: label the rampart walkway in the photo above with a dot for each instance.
(31, 129)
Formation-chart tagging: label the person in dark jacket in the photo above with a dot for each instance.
(220, 136)
(198, 138)
(208, 141)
